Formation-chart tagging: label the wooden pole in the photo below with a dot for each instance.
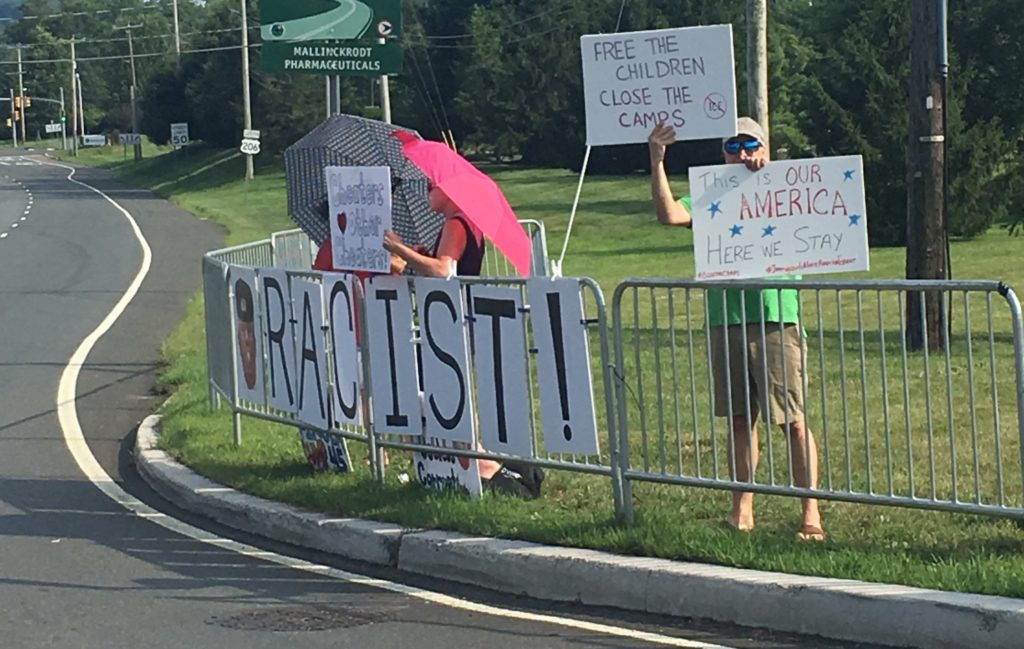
(927, 238)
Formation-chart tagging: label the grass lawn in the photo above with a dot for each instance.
(615, 237)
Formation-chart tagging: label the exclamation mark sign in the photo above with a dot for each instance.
(555, 316)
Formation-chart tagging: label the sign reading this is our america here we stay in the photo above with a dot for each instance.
(791, 217)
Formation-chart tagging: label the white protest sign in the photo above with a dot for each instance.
(684, 77)
(311, 353)
(325, 451)
(791, 217)
(440, 471)
(396, 400)
(347, 377)
(499, 341)
(276, 300)
(447, 391)
(359, 202)
(563, 366)
(248, 335)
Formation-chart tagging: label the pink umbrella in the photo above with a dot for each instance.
(474, 194)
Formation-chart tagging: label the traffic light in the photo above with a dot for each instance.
(63, 117)
(28, 102)
(17, 115)
(17, 101)
(9, 124)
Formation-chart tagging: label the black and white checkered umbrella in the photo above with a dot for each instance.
(350, 141)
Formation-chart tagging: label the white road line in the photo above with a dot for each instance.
(23, 218)
(14, 225)
(3, 235)
(67, 414)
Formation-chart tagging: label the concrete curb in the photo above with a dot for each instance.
(833, 608)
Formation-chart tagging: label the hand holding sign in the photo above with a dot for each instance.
(792, 216)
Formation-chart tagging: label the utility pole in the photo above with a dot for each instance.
(131, 91)
(757, 63)
(74, 100)
(927, 237)
(14, 121)
(177, 37)
(63, 122)
(21, 97)
(246, 101)
(81, 105)
(385, 95)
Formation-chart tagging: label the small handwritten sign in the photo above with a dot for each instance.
(684, 77)
(359, 211)
(791, 217)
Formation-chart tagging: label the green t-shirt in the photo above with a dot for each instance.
(768, 305)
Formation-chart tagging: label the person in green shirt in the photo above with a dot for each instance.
(765, 360)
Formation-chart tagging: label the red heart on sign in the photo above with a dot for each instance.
(342, 222)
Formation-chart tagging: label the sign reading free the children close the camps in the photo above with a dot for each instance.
(683, 77)
(791, 217)
(359, 211)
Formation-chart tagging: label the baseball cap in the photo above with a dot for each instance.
(747, 126)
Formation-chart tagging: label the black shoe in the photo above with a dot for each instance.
(509, 483)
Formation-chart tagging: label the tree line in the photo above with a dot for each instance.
(504, 76)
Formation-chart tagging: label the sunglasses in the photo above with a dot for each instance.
(732, 147)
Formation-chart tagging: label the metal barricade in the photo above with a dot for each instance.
(495, 265)
(938, 427)
(293, 250)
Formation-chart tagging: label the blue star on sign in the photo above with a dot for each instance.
(736, 230)
(769, 231)
(716, 208)
(848, 175)
(854, 218)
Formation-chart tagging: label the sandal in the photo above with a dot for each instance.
(811, 533)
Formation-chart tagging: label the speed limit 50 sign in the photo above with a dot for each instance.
(179, 134)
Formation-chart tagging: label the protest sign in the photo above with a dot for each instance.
(563, 366)
(791, 217)
(359, 211)
(248, 335)
(441, 471)
(684, 77)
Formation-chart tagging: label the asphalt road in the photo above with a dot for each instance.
(78, 570)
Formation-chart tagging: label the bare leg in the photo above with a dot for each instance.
(744, 437)
(805, 468)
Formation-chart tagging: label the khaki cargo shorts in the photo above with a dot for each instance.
(770, 363)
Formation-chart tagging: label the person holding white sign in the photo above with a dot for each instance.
(764, 360)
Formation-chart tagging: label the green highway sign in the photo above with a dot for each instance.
(355, 58)
(320, 20)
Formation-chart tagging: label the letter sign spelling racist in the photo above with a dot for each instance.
(396, 401)
(248, 335)
(346, 375)
(499, 343)
(447, 395)
(563, 366)
(278, 324)
(311, 353)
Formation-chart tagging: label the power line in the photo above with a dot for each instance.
(541, 14)
(65, 14)
(122, 57)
